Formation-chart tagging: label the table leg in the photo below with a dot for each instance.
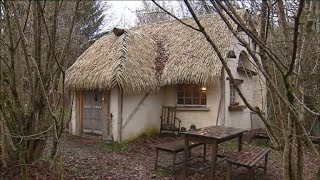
(214, 152)
(186, 150)
(240, 142)
(204, 152)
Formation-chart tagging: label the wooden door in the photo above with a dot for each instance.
(92, 112)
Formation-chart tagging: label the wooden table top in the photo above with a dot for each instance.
(215, 132)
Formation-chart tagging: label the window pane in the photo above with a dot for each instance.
(188, 94)
(180, 101)
(196, 93)
(196, 101)
(191, 95)
(180, 87)
(232, 94)
(187, 100)
(188, 87)
(203, 101)
(180, 94)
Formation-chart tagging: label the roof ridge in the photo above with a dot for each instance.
(122, 52)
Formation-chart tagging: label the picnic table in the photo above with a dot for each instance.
(210, 135)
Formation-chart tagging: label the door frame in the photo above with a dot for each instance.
(106, 123)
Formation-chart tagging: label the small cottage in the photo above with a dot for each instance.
(120, 83)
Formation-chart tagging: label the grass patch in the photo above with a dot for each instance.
(260, 143)
(163, 172)
(116, 147)
(231, 144)
(148, 132)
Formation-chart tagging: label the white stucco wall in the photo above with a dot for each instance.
(147, 116)
(253, 88)
(200, 118)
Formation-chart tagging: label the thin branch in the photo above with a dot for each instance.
(295, 38)
(236, 19)
(25, 24)
(188, 25)
(29, 58)
(68, 39)
(6, 63)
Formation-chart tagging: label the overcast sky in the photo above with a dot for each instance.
(122, 14)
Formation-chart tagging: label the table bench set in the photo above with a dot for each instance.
(213, 135)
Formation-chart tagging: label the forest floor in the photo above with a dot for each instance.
(91, 158)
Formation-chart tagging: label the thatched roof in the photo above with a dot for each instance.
(133, 60)
(191, 59)
(126, 60)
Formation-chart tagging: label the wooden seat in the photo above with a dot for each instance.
(258, 134)
(249, 158)
(169, 121)
(174, 148)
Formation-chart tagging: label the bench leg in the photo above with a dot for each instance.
(156, 162)
(265, 164)
(173, 162)
(251, 172)
(229, 171)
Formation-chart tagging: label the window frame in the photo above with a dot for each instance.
(202, 95)
(233, 94)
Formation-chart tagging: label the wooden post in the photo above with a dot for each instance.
(120, 106)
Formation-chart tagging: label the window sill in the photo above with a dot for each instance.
(237, 108)
(192, 108)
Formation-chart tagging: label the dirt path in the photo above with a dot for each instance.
(91, 159)
(88, 158)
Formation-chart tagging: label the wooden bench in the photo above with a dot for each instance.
(249, 158)
(174, 148)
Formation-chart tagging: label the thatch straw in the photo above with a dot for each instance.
(126, 61)
(191, 58)
(130, 60)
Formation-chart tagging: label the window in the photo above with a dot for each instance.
(232, 94)
(244, 61)
(234, 100)
(191, 95)
(244, 65)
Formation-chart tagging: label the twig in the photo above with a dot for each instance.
(295, 38)
(188, 25)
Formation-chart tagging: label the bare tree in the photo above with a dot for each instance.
(36, 39)
(150, 13)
